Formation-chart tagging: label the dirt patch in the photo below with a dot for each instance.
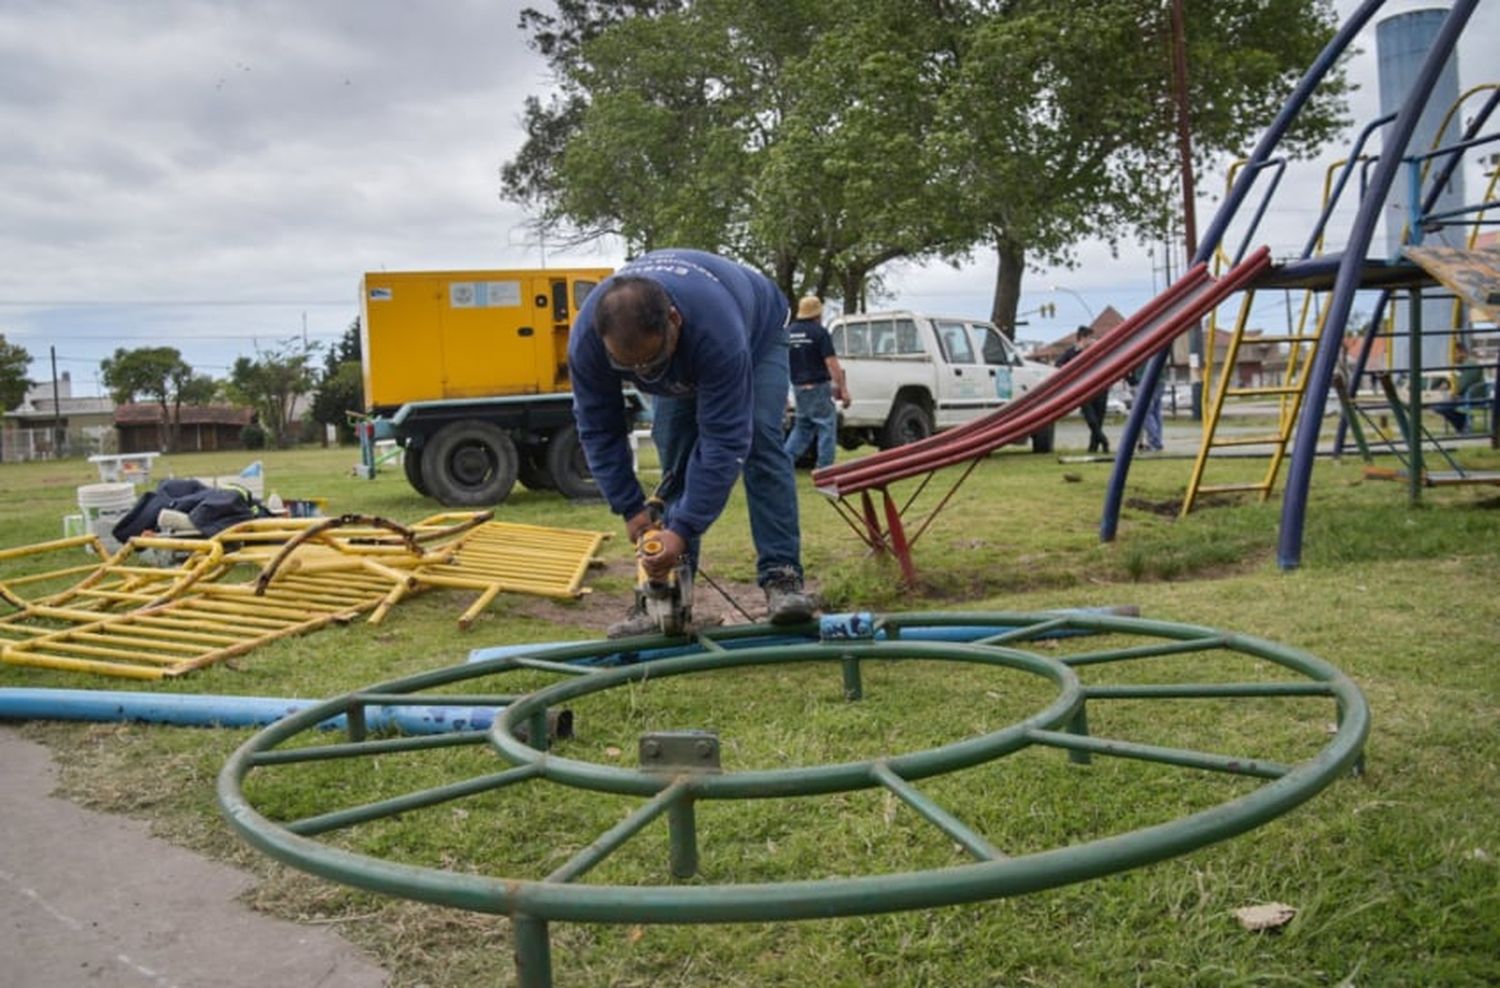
(596, 610)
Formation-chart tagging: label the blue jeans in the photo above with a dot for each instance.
(770, 483)
(1152, 423)
(816, 419)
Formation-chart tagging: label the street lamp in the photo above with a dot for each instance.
(1090, 311)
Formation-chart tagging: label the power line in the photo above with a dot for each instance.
(169, 303)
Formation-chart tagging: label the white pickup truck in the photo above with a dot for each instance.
(910, 375)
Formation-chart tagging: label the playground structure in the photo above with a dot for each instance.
(121, 616)
(1330, 281)
(678, 770)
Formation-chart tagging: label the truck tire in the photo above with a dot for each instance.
(470, 464)
(569, 467)
(1041, 440)
(908, 422)
(411, 462)
(533, 471)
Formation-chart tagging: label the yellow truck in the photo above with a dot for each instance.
(468, 371)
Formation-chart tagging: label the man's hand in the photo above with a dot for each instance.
(842, 394)
(637, 524)
(659, 565)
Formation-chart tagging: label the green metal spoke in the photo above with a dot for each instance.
(710, 645)
(621, 832)
(358, 749)
(1025, 634)
(1159, 691)
(340, 819)
(1180, 757)
(1202, 644)
(936, 815)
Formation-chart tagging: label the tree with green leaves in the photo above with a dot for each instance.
(14, 360)
(821, 140)
(1060, 118)
(273, 382)
(13, 380)
(341, 386)
(155, 373)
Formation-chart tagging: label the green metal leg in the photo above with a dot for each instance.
(533, 952)
(682, 831)
(1080, 725)
(853, 688)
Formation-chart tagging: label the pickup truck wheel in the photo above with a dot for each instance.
(908, 422)
(411, 462)
(1041, 440)
(568, 466)
(849, 439)
(532, 471)
(470, 464)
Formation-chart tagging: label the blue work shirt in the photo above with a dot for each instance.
(810, 346)
(730, 316)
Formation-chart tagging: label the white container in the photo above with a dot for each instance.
(102, 506)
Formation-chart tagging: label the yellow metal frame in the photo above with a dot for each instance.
(143, 622)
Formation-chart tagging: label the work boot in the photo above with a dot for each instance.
(786, 602)
(636, 622)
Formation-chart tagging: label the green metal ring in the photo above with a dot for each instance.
(537, 900)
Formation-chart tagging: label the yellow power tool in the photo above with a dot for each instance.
(668, 601)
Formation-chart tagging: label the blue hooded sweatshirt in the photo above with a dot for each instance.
(730, 316)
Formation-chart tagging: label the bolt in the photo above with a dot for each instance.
(651, 749)
(705, 749)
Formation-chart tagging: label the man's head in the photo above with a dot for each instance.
(638, 325)
(1085, 333)
(809, 307)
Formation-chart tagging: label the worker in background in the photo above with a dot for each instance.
(1469, 375)
(1095, 408)
(707, 337)
(817, 381)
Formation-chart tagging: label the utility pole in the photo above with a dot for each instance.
(58, 436)
(1189, 194)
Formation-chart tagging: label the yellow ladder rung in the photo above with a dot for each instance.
(1247, 441)
(1262, 392)
(1229, 488)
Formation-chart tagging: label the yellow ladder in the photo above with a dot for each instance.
(1302, 346)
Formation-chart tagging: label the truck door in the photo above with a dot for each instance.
(964, 388)
(491, 334)
(1007, 362)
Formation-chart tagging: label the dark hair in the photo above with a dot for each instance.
(632, 307)
(1085, 331)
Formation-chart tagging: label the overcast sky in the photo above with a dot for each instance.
(215, 175)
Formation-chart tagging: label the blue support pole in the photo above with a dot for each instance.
(1114, 495)
(1347, 282)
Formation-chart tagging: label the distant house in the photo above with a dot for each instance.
(201, 428)
(42, 428)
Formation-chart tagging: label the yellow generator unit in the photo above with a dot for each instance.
(468, 371)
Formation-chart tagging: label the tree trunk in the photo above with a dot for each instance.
(1012, 257)
(854, 290)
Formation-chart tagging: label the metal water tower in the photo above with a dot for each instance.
(1401, 43)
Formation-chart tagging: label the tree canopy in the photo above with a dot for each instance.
(341, 386)
(13, 380)
(273, 382)
(820, 139)
(160, 375)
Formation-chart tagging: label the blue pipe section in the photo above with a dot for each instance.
(199, 710)
(830, 626)
(1305, 447)
(1114, 495)
(209, 710)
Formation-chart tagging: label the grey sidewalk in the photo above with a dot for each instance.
(92, 899)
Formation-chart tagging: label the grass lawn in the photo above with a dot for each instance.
(1395, 874)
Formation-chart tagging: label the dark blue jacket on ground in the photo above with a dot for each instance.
(729, 315)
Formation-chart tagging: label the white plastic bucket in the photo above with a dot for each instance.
(103, 505)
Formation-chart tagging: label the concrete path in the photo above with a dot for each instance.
(92, 899)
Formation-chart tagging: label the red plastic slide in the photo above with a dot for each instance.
(1111, 357)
